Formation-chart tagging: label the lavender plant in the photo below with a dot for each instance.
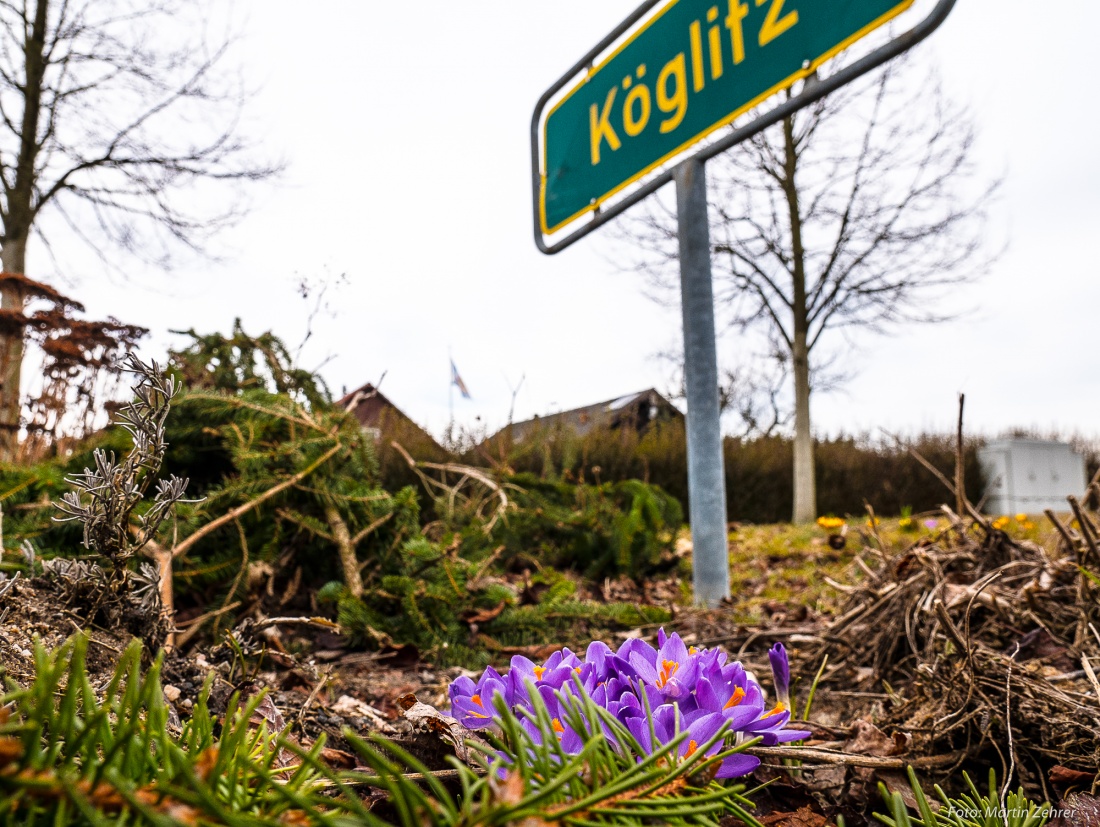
(660, 695)
(105, 498)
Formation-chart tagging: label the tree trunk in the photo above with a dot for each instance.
(805, 493)
(805, 486)
(17, 219)
(12, 260)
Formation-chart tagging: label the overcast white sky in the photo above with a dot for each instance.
(406, 131)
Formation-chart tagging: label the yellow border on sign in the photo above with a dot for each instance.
(783, 84)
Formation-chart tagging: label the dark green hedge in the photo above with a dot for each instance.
(850, 470)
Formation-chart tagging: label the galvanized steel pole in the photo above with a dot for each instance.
(706, 478)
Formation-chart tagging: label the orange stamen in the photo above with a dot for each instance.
(692, 651)
(693, 747)
(477, 700)
(735, 699)
(779, 709)
(668, 669)
(539, 672)
(558, 728)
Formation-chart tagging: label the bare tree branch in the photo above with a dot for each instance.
(120, 125)
(859, 212)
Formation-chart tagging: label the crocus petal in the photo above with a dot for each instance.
(639, 728)
(639, 647)
(781, 673)
(673, 649)
(706, 727)
(462, 686)
(785, 736)
(645, 669)
(737, 765)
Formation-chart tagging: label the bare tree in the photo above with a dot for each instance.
(861, 211)
(116, 116)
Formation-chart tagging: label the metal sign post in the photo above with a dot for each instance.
(706, 475)
(614, 128)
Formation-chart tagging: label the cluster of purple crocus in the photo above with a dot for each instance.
(656, 693)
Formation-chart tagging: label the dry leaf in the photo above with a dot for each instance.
(868, 739)
(1078, 810)
(338, 758)
(804, 817)
(428, 718)
(267, 713)
(1065, 779)
(11, 749)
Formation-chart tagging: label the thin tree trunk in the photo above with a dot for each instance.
(805, 486)
(805, 493)
(17, 219)
(12, 260)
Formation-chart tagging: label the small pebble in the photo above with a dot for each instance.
(186, 703)
(171, 693)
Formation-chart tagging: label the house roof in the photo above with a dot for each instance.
(635, 410)
(374, 410)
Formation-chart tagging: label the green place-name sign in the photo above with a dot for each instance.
(693, 67)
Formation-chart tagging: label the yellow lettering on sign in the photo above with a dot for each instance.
(601, 128)
(738, 12)
(774, 25)
(676, 101)
(636, 125)
(714, 35)
(697, 79)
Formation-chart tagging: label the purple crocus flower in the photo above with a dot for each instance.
(770, 727)
(665, 724)
(669, 668)
(781, 674)
(558, 707)
(732, 694)
(654, 692)
(520, 678)
(600, 656)
(472, 704)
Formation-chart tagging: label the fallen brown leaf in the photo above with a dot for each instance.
(11, 750)
(428, 718)
(804, 817)
(338, 758)
(1065, 779)
(868, 739)
(1077, 810)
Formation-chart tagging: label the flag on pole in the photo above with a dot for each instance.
(456, 380)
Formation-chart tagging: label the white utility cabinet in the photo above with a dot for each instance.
(1029, 475)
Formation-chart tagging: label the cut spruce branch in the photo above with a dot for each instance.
(185, 546)
(465, 472)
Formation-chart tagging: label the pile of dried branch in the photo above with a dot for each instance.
(983, 643)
